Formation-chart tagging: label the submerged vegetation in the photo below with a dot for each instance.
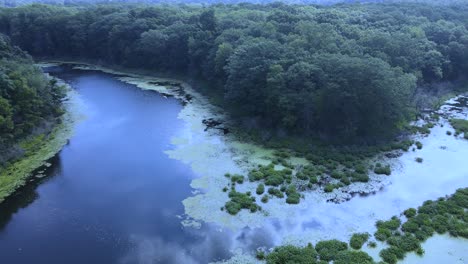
(440, 216)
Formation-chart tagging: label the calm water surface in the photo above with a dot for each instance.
(112, 195)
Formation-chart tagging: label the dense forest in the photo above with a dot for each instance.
(29, 102)
(342, 71)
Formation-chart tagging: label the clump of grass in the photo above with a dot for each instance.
(372, 244)
(260, 189)
(236, 178)
(460, 125)
(419, 160)
(275, 192)
(419, 145)
(379, 169)
(358, 239)
(449, 133)
(240, 201)
(293, 196)
(265, 198)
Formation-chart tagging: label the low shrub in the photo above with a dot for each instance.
(275, 192)
(383, 170)
(328, 249)
(419, 160)
(292, 254)
(260, 189)
(358, 239)
(419, 145)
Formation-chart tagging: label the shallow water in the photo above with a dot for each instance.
(141, 180)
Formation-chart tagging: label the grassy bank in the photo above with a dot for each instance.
(38, 151)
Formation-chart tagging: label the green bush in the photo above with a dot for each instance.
(240, 201)
(260, 189)
(460, 125)
(275, 192)
(328, 249)
(419, 160)
(411, 212)
(392, 224)
(383, 170)
(265, 198)
(236, 178)
(329, 187)
(358, 239)
(292, 254)
(382, 234)
(419, 145)
(352, 257)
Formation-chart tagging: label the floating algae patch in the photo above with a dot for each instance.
(17, 174)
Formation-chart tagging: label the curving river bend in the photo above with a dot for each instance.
(114, 195)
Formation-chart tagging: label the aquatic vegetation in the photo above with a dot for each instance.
(293, 197)
(292, 254)
(236, 178)
(275, 192)
(240, 201)
(443, 215)
(379, 169)
(419, 145)
(460, 125)
(358, 239)
(260, 189)
(328, 249)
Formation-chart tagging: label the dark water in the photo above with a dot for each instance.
(112, 195)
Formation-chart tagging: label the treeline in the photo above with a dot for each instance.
(28, 101)
(345, 71)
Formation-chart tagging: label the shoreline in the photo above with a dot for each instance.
(211, 153)
(19, 173)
